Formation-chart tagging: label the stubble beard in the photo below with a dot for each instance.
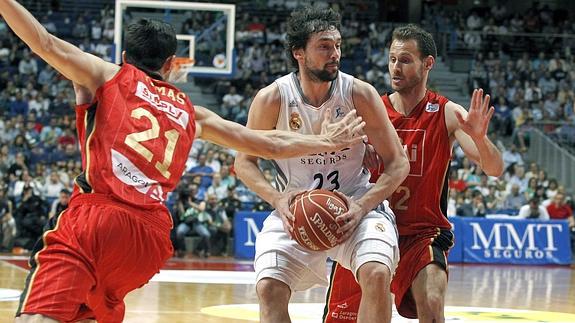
(320, 75)
(411, 84)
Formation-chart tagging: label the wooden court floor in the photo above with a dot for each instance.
(221, 290)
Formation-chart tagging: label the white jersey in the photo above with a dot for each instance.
(342, 170)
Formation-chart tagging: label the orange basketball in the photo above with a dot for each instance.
(314, 226)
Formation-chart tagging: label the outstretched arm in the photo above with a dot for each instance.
(470, 130)
(276, 144)
(82, 68)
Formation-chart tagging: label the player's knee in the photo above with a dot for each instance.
(271, 290)
(374, 276)
(432, 302)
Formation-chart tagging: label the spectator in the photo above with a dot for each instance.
(228, 179)
(60, 204)
(204, 171)
(531, 189)
(7, 223)
(464, 208)
(217, 188)
(478, 205)
(455, 183)
(18, 106)
(515, 199)
(30, 218)
(231, 100)
(552, 189)
(202, 223)
(28, 65)
(533, 210)
(231, 203)
(560, 210)
(221, 226)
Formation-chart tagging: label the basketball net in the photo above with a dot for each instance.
(180, 69)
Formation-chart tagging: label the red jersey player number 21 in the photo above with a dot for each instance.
(142, 140)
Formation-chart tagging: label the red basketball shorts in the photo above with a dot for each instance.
(91, 256)
(416, 252)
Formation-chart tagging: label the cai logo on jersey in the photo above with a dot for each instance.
(129, 174)
(413, 142)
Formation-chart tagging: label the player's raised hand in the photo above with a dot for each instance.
(477, 121)
(344, 133)
(282, 206)
(349, 220)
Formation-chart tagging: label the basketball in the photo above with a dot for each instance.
(314, 225)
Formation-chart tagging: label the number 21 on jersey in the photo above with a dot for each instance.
(134, 140)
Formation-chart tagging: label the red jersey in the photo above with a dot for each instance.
(135, 139)
(559, 212)
(420, 202)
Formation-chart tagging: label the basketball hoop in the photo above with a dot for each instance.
(183, 62)
(180, 69)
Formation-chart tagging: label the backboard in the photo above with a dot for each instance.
(205, 32)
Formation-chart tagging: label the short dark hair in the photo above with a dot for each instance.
(148, 43)
(306, 21)
(424, 40)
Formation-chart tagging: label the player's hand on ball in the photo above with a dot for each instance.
(349, 220)
(282, 205)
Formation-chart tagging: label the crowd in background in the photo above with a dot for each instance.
(39, 155)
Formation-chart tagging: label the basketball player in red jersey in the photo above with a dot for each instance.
(136, 132)
(428, 125)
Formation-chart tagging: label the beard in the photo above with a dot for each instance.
(409, 84)
(321, 75)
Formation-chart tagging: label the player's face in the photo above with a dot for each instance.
(321, 56)
(406, 67)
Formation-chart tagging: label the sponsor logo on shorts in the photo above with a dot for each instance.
(344, 315)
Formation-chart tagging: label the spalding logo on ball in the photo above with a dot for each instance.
(314, 225)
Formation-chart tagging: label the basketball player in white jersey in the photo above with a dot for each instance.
(303, 101)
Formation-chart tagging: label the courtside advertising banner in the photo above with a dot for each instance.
(515, 241)
(456, 252)
(246, 226)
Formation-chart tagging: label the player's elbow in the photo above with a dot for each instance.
(242, 163)
(403, 167)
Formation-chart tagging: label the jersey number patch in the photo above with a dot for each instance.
(401, 203)
(332, 178)
(134, 140)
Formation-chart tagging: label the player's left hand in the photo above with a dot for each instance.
(478, 117)
(282, 206)
(349, 220)
(344, 133)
